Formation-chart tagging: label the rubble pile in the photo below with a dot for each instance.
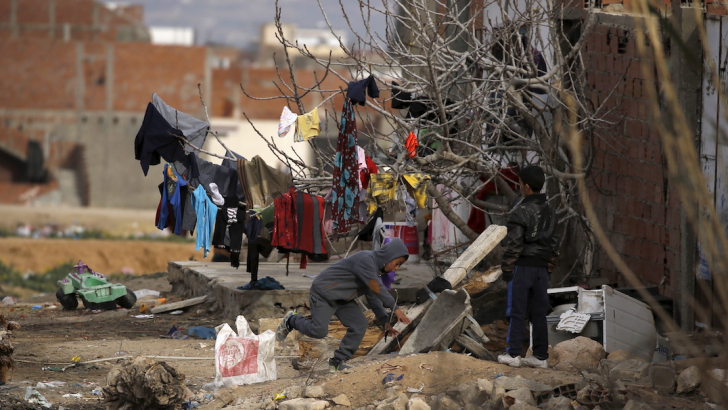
(144, 383)
(6, 348)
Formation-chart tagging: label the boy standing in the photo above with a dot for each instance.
(530, 255)
(333, 292)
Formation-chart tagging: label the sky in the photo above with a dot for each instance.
(238, 22)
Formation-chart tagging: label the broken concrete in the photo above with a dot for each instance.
(630, 370)
(557, 403)
(303, 404)
(441, 324)
(444, 402)
(578, 354)
(417, 403)
(220, 282)
(663, 377)
(398, 402)
(523, 406)
(688, 380)
(341, 400)
(314, 392)
(519, 395)
(144, 383)
(636, 405)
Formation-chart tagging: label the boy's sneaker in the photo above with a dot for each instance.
(283, 329)
(533, 361)
(337, 365)
(510, 360)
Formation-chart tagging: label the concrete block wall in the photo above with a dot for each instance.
(636, 205)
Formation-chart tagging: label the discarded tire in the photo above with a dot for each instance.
(68, 301)
(128, 301)
(111, 305)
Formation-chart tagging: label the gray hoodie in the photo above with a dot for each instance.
(358, 275)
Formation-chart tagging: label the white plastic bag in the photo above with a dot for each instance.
(245, 357)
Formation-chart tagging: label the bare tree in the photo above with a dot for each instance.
(487, 79)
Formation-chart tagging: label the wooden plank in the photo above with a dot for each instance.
(415, 314)
(480, 351)
(486, 242)
(178, 305)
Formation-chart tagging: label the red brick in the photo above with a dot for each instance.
(717, 9)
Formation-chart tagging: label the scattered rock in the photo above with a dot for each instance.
(314, 392)
(341, 400)
(416, 403)
(630, 370)
(557, 403)
(580, 353)
(395, 403)
(144, 383)
(523, 406)
(293, 392)
(443, 402)
(663, 377)
(636, 405)
(303, 404)
(513, 383)
(596, 378)
(468, 393)
(622, 355)
(688, 380)
(485, 386)
(268, 404)
(519, 395)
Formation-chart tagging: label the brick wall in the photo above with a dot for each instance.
(635, 203)
(85, 20)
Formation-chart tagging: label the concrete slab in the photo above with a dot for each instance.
(220, 281)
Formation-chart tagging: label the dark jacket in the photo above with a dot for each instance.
(359, 274)
(532, 238)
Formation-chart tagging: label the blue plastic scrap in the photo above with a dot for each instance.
(202, 332)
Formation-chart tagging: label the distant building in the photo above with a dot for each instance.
(320, 43)
(76, 78)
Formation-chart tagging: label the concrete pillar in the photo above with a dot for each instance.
(14, 18)
(51, 18)
(689, 81)
(110, 77)
(207, 85)
(80, 87)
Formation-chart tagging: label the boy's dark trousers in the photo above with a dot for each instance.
(317, 326)
(528, 298)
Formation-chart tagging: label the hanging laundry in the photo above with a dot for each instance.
(372, 231)
(233, 166)
(288, 118)
(217, 199)
(344, 192)
(224, 177)
(194, 130)
(262, 183)
(259, 243)
(206, 212)
(382, 189)
(171, 195)
(156, 137)
(416, 185)
(411, 145)
(357, 90)
(298, 225)
(228, 223)
(308, 126)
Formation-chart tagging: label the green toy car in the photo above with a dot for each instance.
(93, 289)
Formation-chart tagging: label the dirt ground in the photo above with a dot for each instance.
(51, 337)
